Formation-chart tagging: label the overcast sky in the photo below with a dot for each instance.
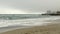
(28, 6)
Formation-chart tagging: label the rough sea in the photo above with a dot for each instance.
(25, 19)
(13, 21)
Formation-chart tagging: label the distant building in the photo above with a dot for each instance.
(58, 12)
(52, 13)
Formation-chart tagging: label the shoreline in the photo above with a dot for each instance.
(18, 29)
(11, 28)
(51, 28)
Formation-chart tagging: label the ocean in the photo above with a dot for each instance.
(15, 21)
(25, 19)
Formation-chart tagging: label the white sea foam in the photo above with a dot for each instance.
(28, 22)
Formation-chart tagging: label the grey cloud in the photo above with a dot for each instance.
(32, 5)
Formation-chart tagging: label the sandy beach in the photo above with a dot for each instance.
(49, 29)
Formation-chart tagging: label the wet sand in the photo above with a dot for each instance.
(49, 29)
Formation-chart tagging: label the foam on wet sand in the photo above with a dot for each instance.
(49, 29)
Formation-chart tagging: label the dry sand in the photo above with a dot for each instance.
(49, 29)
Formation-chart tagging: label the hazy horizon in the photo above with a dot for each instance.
(28, 6)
